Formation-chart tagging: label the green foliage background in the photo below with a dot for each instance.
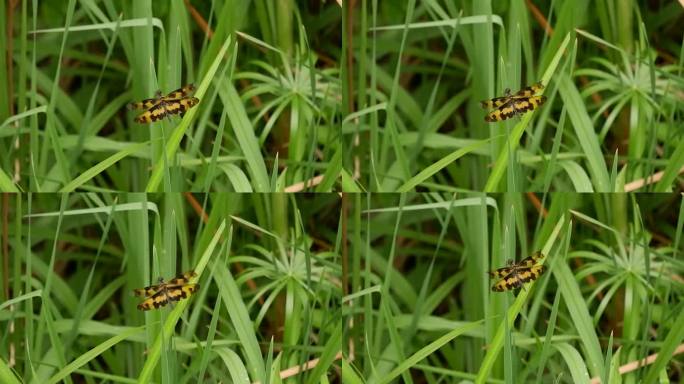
(267, 118)
(421, 309)
(613, 77)
(359, 96)
(269, 298)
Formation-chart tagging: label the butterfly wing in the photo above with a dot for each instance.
(495, 102)
(500, 273)
(157, 112)
(180, 292)
(155, 301)
(504, 112)
(532, 260)
(529, 91)
(182, 278)
(180, 106)
(180, 93)
(523, 105)
(147, 291)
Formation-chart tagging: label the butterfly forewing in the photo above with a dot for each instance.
(530, 91)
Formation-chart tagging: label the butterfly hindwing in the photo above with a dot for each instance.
(528, 104)
(147, 291)
(494, 103)
(530, 91)
(502, 113)
(180, 106)
(179, 292)
(509, 282)
(188, 103)
(153, 114)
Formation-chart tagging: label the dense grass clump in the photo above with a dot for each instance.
(268, 306)
(612, 121)
(269, 94)
(421, 308)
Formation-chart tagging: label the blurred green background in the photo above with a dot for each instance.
(613, 76)
(421, 308)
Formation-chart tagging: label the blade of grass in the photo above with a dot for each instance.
(92, 354)
(239, 316)
(426, 173)
(584, 131)
(427, 350)
(244, 133)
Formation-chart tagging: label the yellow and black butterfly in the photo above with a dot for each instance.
(157, 108)
(159, 295)
(516, 274)
(512, 104)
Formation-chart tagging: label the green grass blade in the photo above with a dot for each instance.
(584, 131)
(426, 173)
(427, 350)
(93, 354)
(101, 167)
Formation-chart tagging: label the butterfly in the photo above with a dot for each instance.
(157, 108)
(515, 274)
(159, 295)
(512, 104)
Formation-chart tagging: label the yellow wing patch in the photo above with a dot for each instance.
(176, 102)
(161, 294)
(515, 275)
(512, 104)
